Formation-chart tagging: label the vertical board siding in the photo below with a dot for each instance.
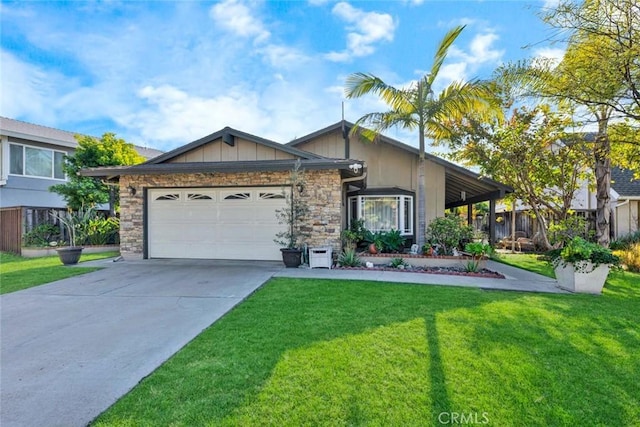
(11, 230)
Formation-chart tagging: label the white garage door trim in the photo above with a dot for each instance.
(214, 223)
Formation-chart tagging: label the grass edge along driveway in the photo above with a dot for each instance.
(332, 352)
(17, 273)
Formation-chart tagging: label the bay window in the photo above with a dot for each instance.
(36, 162)
(383, 213)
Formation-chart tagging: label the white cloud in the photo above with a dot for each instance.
(365, 30)
(237, 17)
(281, 56)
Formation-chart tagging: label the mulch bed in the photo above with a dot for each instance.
(453, 271)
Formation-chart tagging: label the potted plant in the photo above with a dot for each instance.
(74, 223)
(292, 215)
(582, 266)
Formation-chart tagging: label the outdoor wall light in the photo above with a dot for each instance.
(300, 187)
(132, 190)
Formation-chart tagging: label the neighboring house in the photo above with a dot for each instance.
(216, 197)
(626, 208)
(31, 159)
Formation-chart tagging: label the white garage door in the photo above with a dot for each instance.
(214, 223)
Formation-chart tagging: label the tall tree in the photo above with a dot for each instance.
(533, 153)
(417, 107)
(92, 152)
(600, 71)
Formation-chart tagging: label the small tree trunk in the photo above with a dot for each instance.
(112, 200)
(543, 239)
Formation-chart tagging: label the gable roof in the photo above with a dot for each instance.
(458, 178)
(623, 182)
(48, 135)
(228, 136)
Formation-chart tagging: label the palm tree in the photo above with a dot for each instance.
(417, 107)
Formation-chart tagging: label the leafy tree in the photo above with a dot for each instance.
(600, 72)
(92, 152)
(417, 107)
(531, 152)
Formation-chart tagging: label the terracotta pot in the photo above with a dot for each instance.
(373, 249)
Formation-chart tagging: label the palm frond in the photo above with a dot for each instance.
(441, 53)
(371, 125)
(360, 84)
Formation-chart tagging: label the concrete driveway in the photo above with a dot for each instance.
(71, 348)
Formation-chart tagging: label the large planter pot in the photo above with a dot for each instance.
(292, 258)
(70, 255)
(582, 278)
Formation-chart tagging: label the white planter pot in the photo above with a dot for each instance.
(582, 278)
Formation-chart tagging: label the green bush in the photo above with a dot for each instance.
(565, 230)
(392, 241)
(102, 231)
(625, 242)
(579, 250)
(41, 235)
(448, 233)
(398, 263)
(630, 257)
(349, 258)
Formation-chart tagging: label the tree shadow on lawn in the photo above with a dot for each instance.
(313, 351)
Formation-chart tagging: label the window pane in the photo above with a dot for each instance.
(380, 213)
(15, 159)
(38, 162)
(408, 215)
(58, 161)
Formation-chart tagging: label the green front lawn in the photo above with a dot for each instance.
(528, 262)
(330, 352)
(18, 273)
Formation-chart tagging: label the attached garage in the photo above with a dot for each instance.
(218, 223)
(216, 198)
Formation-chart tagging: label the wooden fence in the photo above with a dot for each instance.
(11, 230)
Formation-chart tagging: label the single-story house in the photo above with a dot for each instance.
(216, 197)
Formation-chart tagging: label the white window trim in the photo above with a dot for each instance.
(401, 210)
(4, 159)
(24, 159)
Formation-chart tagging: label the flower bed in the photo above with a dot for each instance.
(454, 271)
(413, 263)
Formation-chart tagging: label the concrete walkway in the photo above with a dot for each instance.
(516, 279)
(71, 348)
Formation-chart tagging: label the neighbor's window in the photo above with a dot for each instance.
(381, 213)
(38, 162)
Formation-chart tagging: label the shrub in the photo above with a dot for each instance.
(579, 251)
(478, 251)
(349, 258)
(625, 242)
(392, 241)
(565, 230)
(41, 235)
(630, 257)
(398, 263)
(447, 233)
(102, 231)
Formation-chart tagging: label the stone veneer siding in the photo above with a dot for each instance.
(323, 192)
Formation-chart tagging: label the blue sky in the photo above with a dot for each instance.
(165, 73)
